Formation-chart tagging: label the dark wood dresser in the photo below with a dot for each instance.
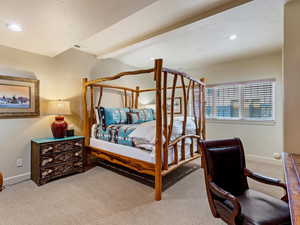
(54, 158)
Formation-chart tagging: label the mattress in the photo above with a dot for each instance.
(140, 135)
(136, 153)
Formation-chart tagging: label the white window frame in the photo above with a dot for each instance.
(242, 118)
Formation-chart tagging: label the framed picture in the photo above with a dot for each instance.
(19, 97)
(177, 105)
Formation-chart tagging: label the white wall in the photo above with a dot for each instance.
(260, 141)
(59, 79)
(109, 67)
(291, 54)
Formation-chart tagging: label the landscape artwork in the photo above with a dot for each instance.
(19, 97)
(177, 105)
(14, 96)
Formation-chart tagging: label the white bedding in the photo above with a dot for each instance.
(144, 135)
(147, 130)
(135, 153)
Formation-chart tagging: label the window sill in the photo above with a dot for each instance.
(242, 122)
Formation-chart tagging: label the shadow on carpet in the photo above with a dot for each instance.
(168, 181)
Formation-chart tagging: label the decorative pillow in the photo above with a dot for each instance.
(145, 114)
(133, 117)
(110, 116)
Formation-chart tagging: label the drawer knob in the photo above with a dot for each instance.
(46, 161)
(47, 149)
(78, 144)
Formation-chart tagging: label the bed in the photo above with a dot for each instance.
(150, 141)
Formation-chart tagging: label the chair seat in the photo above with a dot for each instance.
(261, 209)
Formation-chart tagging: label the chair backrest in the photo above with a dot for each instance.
(224, 163)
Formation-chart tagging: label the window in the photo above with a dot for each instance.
(250, 101)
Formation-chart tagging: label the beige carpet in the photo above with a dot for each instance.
(100, 196)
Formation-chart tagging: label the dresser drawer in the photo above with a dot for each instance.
(63, 157)
(57, 171)
(62, 146)
(49, 160)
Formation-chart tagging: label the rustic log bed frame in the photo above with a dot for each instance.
(160, 168)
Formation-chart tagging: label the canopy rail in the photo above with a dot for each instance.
(118, 76)
(191, 90)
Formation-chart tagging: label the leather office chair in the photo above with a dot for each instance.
(228, 192)
(1, 182)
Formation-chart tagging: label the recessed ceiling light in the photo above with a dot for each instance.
(233, 37)
(14, 27)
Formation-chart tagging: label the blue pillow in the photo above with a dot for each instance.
(110, 116)
(133, 117)
(144, 114)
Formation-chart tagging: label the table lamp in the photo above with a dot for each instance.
(59, 108)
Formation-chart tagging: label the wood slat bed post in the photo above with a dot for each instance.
(188, 91)
(100, 96)
(202, 127)
(137, 94)
(176, 153)
(194, 109)
(200, 111)
(125, 96)
(132, 99)
(93, 115)
(172, 108)
(158, 142)
(85, 113)
(165, 122)
(203, 109)
(184, 119)
(192, 147)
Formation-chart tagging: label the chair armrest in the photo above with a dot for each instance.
(266, 180)
(221, 193)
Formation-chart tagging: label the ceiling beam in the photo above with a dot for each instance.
(135, 43)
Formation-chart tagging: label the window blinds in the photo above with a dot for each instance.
(227, 102)
(258, 100)
(253, 100)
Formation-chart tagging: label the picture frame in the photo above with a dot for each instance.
(19, 97)
(177, 105)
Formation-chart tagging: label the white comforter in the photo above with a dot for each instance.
(147, 130)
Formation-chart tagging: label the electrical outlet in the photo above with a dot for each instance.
(19, 162)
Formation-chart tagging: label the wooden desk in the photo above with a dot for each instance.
(293, 188)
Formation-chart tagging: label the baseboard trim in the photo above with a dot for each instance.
(254, 158)
(268, 160)
(17, 179)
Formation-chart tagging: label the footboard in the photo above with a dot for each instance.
(192, 154)
(165, 120)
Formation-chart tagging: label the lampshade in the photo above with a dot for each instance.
(59, 108)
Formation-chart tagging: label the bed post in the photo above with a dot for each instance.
(202, 126)
(158, 141)
(137, 94)
(85, 113)
(203, 80)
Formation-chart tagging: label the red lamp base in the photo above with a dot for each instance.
(59, 127)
